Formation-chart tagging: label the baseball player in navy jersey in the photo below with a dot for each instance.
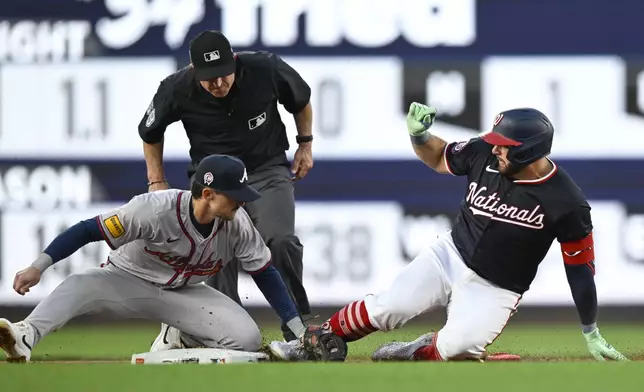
(164, 244)
(516, 203)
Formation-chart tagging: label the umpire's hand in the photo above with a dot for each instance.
(302, 161)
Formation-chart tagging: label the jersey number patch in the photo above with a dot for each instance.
(114, 226)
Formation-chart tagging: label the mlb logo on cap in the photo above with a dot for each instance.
(211, 56)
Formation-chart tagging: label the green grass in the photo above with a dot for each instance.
(586, 377)
(113, 342)
(549, 341)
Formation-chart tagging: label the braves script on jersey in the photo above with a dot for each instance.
(152, 237)
(506, 227)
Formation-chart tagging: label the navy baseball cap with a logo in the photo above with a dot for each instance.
(226, 174)
(211, 55)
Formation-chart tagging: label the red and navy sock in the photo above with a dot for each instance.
(351, 322)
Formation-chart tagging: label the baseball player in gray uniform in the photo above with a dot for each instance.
(164, 244)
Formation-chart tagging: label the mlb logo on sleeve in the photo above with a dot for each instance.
(114, 226)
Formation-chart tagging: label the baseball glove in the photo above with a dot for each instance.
(321, 344)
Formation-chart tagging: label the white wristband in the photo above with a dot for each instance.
(43, 262)
(297, 326)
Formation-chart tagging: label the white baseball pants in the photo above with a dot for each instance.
(204, 316)
(477, 310)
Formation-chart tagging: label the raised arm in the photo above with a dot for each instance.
(455, 158)
(428, 148)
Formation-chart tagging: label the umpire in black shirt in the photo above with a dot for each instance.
(227, 103)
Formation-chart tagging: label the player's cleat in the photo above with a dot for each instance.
(16, 340)
(291, 351)
(402, 351)
(169, 339)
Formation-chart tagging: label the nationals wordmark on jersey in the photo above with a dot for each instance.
(490, 205)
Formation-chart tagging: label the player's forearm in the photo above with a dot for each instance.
(429, 149)
(304, 121)
(584, 293)
(68, 242)
(154, 161)
(270, 283)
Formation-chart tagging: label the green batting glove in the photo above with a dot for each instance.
(600, 349)
(419, 118)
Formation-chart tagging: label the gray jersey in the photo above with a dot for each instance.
(152, 237)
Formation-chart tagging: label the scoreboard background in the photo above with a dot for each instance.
(76, 77)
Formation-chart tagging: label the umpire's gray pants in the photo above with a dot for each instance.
(273, 215)
(204, 316)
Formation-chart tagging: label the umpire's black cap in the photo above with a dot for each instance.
(211, 55)
(226, 174)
